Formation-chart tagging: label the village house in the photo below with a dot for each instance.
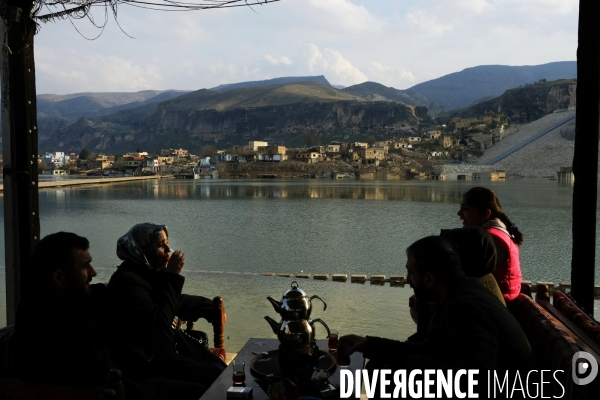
(414, 139)
(136, 154)
(310, 157)
(134, 162)
(435, 134)
(175, 152)
(445, 141)
(461, 122)
(400, 145)
(333, 148)
(373, 153)
(56, 159)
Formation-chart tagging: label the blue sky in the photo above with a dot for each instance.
(397, 43)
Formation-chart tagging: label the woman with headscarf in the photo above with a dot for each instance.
(144, 296)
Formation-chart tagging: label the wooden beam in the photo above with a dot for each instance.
(19, 148)
(585, 161)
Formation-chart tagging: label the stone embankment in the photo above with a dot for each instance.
(80, 182)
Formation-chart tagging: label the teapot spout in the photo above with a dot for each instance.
(276, 304)
(274, 324)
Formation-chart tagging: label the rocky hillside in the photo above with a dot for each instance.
(461, 89)
(281, 112)
(79, 105)
(374, 91)
(526, 103)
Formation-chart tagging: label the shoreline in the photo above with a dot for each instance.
(82, 182)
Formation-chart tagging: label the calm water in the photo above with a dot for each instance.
(233, 230)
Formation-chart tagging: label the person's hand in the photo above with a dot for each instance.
(176, 262)
(349, 344)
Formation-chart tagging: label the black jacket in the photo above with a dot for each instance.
(142, 304)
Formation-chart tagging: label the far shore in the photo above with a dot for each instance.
(98, 181)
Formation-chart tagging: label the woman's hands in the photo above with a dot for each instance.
(176, 262)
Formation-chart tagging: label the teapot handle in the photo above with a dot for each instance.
(324, 324)
(324, 304)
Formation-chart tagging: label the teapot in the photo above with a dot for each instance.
(295, 304)
(296, 333)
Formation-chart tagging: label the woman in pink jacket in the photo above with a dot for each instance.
(480, 207)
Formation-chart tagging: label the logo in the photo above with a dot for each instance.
(583, 364)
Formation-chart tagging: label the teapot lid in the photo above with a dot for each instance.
(294, 292)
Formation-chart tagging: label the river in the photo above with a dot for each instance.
(232, 231)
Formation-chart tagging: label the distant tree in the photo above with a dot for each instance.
(44, 166)
(86, 154)
(207, 151)
(543, 80)
(371, 140)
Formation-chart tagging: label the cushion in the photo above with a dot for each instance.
(565, 303)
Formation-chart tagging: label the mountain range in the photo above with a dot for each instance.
(280, 108)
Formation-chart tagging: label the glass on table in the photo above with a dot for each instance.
(342, 358)
(239, 373)
(332, 344)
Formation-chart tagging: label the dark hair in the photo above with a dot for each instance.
(54, 252)
(484, 199)
(475, 247)
(435, 254)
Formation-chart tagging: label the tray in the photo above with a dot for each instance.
(263, 365)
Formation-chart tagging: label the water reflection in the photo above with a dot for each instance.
(532, 192)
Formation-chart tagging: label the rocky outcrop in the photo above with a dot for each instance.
(300, 117)
(526, 103)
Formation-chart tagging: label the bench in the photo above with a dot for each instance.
(553, 341)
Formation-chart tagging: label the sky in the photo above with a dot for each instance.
(397, 43)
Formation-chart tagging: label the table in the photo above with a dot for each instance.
(218, 389)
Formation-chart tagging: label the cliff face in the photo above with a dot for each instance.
(313, 116)
(527, 103)
(192, 128)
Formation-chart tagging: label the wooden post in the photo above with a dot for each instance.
(219, 322)
(20, 145)
(585, 161)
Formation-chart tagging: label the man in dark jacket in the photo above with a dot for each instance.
(470, 327)
(58, 332)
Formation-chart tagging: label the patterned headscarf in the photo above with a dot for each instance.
(140, 244)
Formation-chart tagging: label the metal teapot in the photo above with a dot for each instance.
(295, 304)
(296, 333)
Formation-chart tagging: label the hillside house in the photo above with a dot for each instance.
(136, 154)
(460, 123)
(310, 157)
(445, 141)
(400, 145)
(414, 139)
(373, 153)
(172, 152)
(333, 148)
(435, 134)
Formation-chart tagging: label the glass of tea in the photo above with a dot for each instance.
(239, 373)
(332, 344)
(342, 358)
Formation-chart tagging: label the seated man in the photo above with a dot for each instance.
(57, 332)
(469, 329)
